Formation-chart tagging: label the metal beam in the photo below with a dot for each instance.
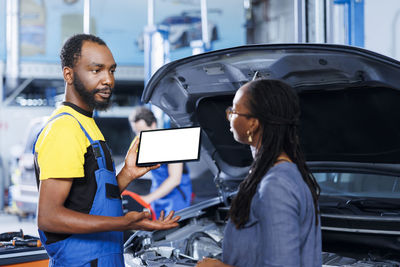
(12, 44)
(329, 22)
(355, 21)
(204, 24)
(319, 18)
(86, 16)
(299, 21)
(150, 13)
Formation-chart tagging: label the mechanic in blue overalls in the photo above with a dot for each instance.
(80, 216)
(171, 188)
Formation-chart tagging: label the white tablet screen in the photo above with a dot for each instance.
(168, 145)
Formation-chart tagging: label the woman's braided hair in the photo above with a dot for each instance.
(276, 106)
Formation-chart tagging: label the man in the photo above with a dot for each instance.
(171, 188)
(80, 215)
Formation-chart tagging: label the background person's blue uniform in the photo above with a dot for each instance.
(178, 198)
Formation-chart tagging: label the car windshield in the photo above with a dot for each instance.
(359, 185)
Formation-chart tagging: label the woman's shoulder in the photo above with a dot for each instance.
(284, 176)
(284, 172)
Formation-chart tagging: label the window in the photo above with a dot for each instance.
(359, 184)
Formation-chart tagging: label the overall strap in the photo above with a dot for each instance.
(96, 146)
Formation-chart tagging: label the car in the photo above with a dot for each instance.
(350, 133)
(24, 191)
(182, 29)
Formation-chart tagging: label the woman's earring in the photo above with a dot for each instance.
(249, 136)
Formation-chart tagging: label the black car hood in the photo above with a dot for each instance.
(349, 97)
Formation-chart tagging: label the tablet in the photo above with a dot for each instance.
(168, 145)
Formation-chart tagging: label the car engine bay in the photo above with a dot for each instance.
(201, 236)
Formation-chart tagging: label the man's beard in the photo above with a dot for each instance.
(89, 96)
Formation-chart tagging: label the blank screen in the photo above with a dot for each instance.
(169, 145)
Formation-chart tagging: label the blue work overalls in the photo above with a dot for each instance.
(96, 249)
(177, 199)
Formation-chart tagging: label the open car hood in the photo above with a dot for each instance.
(349, 98)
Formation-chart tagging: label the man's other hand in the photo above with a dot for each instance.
(142, 221)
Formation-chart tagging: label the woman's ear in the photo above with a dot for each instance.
(255, 125)
(68, 74)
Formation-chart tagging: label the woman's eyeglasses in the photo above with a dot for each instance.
(230, 111)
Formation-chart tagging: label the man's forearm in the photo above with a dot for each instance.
(72, 222)
(123, 179)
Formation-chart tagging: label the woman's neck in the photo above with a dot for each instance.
(283, 157)
(253, 151)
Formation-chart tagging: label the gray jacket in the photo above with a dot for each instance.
(281, 229)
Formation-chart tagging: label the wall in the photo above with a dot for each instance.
(382, 27)
(45, 24)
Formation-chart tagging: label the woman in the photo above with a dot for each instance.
(274, 217)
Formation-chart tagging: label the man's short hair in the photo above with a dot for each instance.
(143, 113)
(71, 50)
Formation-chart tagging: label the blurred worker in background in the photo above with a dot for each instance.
(80, 214)
(171, 188)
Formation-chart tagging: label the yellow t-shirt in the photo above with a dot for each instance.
(62, 145)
